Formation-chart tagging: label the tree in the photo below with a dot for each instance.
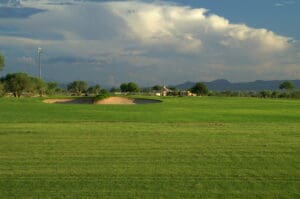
(51, 88)
(77, 87)
(2, 62)
(199, 89)
(132, 87)
(17, 83)
(129, 87)
(287, 85)
(175, 89)
(94, 89)
(114, 89)
(37, 85)
(157, 88)
(102, 95)
(124, 87)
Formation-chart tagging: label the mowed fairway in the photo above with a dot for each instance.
(182, 148)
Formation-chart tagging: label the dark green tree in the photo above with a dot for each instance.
(17, 83)
(175, 89)
(77, 87)
(129, 87)
(157, 87)
(132, 87)
(52, 87)
(199, 89)
(114, 89)
(95, 90)
(124, 87)
(38, 86)
(286, 85)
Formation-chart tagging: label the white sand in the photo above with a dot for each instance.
(116, 100)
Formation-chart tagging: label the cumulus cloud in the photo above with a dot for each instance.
(190, 29)
(147, 42)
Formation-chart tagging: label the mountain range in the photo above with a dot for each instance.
(223, 85)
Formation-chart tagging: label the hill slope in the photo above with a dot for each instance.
(223, 84)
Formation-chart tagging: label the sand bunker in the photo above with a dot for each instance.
(124, 100)
(116, 100)
(69, 101)
(110, 100)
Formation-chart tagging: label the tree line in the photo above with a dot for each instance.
(22, 84)
(19, 84)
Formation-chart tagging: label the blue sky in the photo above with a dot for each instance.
(280, 16)
(152, 42)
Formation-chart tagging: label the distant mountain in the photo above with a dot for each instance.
(223, 85)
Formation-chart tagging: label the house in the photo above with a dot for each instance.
(186, 93)
(165, 91)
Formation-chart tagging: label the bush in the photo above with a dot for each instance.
(275, 94)
(103, 94)
(284, 95)
(265, 94)
(295, 94)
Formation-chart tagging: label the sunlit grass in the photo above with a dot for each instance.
(181, 148)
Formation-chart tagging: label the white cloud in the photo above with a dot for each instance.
(186, 28)
(149, 42)
(284, 3)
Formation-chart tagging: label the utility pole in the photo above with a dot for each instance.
(40, 50)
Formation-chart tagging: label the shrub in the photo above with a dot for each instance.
(265, 94)
(275, 94)
(284, 95)
(103, 94)
(295, 94)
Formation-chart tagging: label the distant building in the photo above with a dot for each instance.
(187, 93)
(168, 92)
(165, 91)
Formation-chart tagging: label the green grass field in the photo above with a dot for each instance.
(182, 148)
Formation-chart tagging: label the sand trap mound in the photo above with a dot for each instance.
(69, 101)
(116, 100)
(110, 100)
(124, 100)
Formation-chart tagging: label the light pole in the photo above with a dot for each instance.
(40, 50)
